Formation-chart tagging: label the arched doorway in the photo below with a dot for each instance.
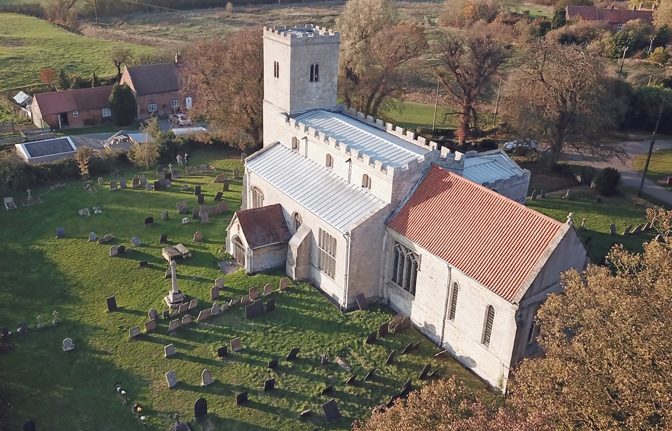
(239, 251)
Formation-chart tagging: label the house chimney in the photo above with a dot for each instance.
(177, 58)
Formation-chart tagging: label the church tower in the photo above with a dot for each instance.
(300, 72)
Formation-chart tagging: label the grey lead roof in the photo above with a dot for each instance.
(314, 187)
(490, 166)
(379, 144)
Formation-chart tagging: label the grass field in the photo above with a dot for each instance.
(29, 44)
(660, 165)
(412, 115)
(618, 210)
(75, 391)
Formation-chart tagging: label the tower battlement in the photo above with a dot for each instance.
(306, 33)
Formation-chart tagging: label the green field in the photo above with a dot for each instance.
(413, 115)
(29, 44)
(618, 210)
(75, 390)
(660, 165)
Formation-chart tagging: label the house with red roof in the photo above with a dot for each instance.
(611, 17)
(363, 209)
(77, 107)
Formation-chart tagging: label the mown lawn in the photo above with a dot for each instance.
(413, 115)
(75, 391)
(30, 44)
(618, 210)
(660, 165)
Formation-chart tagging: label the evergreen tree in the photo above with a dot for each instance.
(123, 105)
(63, 81)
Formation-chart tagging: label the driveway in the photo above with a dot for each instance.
(630, 178)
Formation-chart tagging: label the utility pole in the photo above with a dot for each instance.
(499, 91)
(653, 141)
(436, 104)
(620, 71)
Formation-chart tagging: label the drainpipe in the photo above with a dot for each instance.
(383, 269)
(445, 305)
(346, 276)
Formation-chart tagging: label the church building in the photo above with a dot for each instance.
(357, 206)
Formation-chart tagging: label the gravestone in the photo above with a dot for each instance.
(183, 308)
(174, 325)
(60, 232)
(234, 301)
(68, 345)
(218, 197)
(236, 344)
(205, 219)
(424, 372)
(269, 385)
(163, 239)
(153, 314)
(200, 408)
(195, 213)
(134, 332)
(542, 194)
(327, 390)
(187, 319)
(168, 176)
(255, 309)
(200, 199)
(169, 350)
(215, 309)
(143, 264)
(29, 425)
(627, 230)
(214, 293)
(171, 379)
(222, 351)
(206, 378)
(612, 229)
(23, 327)
(273, 363)
(291, 356)
(370, 374)
(105, 239)
(352, 380)
(253, 293)
(270, 305)
(197, 190)
(433, 373)
(193, 304)
(225, 185)
(245, 300)
(113, 185)
(219, 282)
(158, 185)
(409, 347)
(149, 221)
(182, 208)
(198, 236)
(122, 183)
(406, 389)
(236, 173)
(136, 182)
(284, 284)
(371, 338)
(92, 236)
(150, 326)
(203, 315)
(390, 357)
(331, 411)
(219, 178)
(136, 241)
(383, 329)
(164, 215)
(362, 302)
(241, 398)
(117, 250)
(111, 303)
(165, 314)
(305, 413)
(268, 289)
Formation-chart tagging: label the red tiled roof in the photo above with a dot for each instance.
(263, 226)
(488, 237)
(79, 99)
(612, 16)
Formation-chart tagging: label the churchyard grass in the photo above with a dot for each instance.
(30, 44)
(660, 165)
(75, 390)
(620, 210)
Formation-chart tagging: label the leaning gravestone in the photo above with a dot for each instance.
(424, 372)
(171, 379)
(331, 411)
(327, 390)
(370, 374)
(255, 309)
(193, 304)
(111, 303)
(291, 356)
(206, 378)
(60, 233)
(150, 326)
(214, 293)
(218, 196)
(241, 398)
(153, 314)
(174, 325)
(305, 413)
(203, 315)
(390, 357)
(222, 351)
(187, 319)
(284, 284)
(169, 350)
(200, 408)
(134, 332)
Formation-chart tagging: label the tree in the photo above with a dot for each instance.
(560, 95)
(83, 157)
(48, 77)
(607, 347)
(390, 50)
(467, 63)
(662, 15)
(120, 56)
(225, 78)
(446, 405)
(144, 153)
(464, 13)
(95, 81)
(63, 81)
(61, 12)
(123, 105)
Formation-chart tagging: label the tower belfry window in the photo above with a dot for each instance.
(276, 69)
(314, 72)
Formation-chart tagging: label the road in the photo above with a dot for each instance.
(630, 178)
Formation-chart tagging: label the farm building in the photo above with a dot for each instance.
(72, 108)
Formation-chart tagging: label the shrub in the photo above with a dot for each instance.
(123, 105)
(606, 182)
(659, 55)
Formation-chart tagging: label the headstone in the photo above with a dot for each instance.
(268, 289)
(193, 304)
(197, 190)
(331, 411)
(200, 408)
(183, 308)
(409, 347)
(225, 185)
(163, 239)
(29, 425)
(68, 345)
(291, 356)
(134, 332)
(273, 363)
(255, 309)
(406, 389)
(92, 236)
(219, 282)
(270, 305)
(253, 293)
(269, 385)
(150, 326)
(371, 338)
(203, 315)
(113, 185)
(424, 372)
(214, 293)
(236, 173)
(182, 208)
(215, 309)
(168, 176)
(390, 357)
(245, 300)
(362, 302)
(136, 241)
(284, 284)
(234, 301)
(327, 390)
(612, 229)
(222, 351)
(164, 215)
(352, 380)
(111, 303)
(158, 185)
(206, 378)
(433, 373)
(305, 413)
(187, 319)
(152, 314)
(200, 199)
(122, 183)
(343, 364)
(627, 230)
(171, 379)
(143, 264)
(236, 344)
(174, 325)
(205, 218)
(165, 314)
(105, 239)
(60, 232)
(241, 398)
(370, 374)
(383, 329)
(149, 221)
(219, 178)
(195, 213)
(169, 350)
(218, 196)
(136, 182)
(198, 236)
(392, 399)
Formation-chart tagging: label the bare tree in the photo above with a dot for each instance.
(83, 157)
(120, 56)
(467, 64)
(62, 12)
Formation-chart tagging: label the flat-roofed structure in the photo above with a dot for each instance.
(48, 150)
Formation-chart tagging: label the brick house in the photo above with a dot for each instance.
(77, 107)
(156, 88)
(612, 17)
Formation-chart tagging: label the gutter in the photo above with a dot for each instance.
(445, 306)
(346, 276)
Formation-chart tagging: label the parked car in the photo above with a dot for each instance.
(523, 144)
(180, 120)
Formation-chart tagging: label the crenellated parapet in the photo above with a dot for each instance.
(306, 33)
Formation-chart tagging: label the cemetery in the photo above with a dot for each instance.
(122, 322)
